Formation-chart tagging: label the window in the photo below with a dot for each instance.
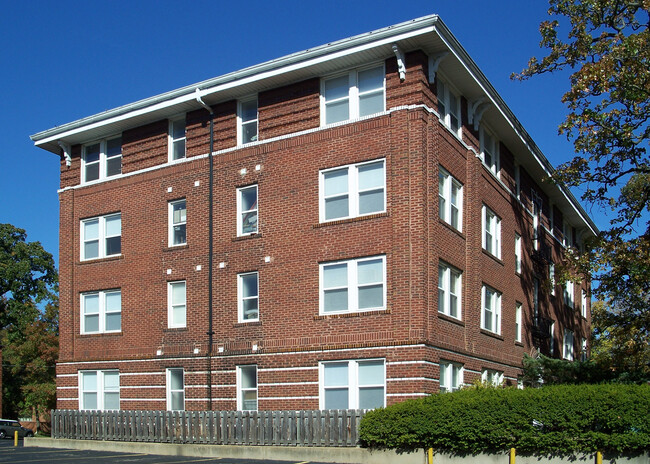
(247, 388)
(353, 95)
(551, 277)
(177, 223)
(247, 210)
(518, 253)
(491, 314)
(247, 121)
(567, 346)
(448, 107)
(536, 296)
(175, 389)
(583, 350)
(177, 139)
(101, 312)
(537, 210)
(101, 159)
(451, 376)
(248, 297)
(518, 181)
(489, 150)
(566, 233)
(354, 285)
(101, 237)
(491, 232)
(449, 288)
(552, 341)
(351, 191)
(176, 309)
(100, 390)
(357, 384)
(518, 322)
(450, 199)
(568, 293)
(583, 303)
(492, 377)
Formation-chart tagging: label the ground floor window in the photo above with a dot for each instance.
(99, 390)
(358, 384)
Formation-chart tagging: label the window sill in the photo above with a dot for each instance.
(246, 237)
(97, 260)
(452, 228)
(376, 312)
(175, 329)
(349, 220)
(519, 344)
(101, 334)
(487, 253)
(248, 324)
(492, 334)
(451, 319)
(176, 247)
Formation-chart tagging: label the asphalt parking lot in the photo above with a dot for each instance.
(24, 455)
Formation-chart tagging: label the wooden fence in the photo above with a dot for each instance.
(286, 428)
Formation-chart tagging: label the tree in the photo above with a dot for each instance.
(29, 335)
(606, 46)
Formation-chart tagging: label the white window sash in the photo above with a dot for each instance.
(241, 212)
(172, 141)
(102, 162)
(101, 390)
(241, 298)
(518, 322)
(491, 304)
(171, 391)
(354, 386)
(102, 311)
(171, 307)
(241, 390)
(102, 236)
(241, 123)
(172, 224)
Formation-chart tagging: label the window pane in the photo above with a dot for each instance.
(111, 380)
(335, 275)
(248, 198)
(370, 398)
(113, 246)
(336, 88)
(371, 297)
(91, 249)
(91, 323)
(249, 110)
(91, 229)
(92, 153)
(250, 308)
(336, 398)
(114, 225)
(336, 207)
(178, 293)
(180, 236)
(91, 304)
(371, 202)
(249, 402)
(249, 377)
(453, 305)
(336, 112)
(371, 79)
(179, 212)
(178, 151)
(371, 103)
(114, 147)
(178, 400)
(178, 315)
(114, 166)
(249, 132)
(249, 223)
(89, 381)
(111, 401)
(178, 129)
(113, 321)
(335, 300)
(336, 182)
(90, 400)
(92, 172)
(336, 374)
(113, 301)
(249, 285)
(371, 372)
(176, 379)
(370, 271)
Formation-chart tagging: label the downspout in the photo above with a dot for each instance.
(210, 332)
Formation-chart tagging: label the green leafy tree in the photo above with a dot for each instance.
(605, 45)
(28, 335)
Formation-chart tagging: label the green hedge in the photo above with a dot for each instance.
(558, 420)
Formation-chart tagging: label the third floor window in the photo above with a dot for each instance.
(247, 121)
(102, 159)
(177, 139)
(358, 93)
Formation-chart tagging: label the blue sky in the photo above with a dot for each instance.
(65, 60)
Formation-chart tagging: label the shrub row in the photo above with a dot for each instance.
(554, 420)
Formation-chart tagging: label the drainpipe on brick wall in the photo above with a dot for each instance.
(210, 332)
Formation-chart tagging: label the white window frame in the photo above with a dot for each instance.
(450, 371)
(494, 300)
(518, 181)
(583, 350)
(538, 204)
(566, 231)
(241, 298)
(518, 260)
(551, 277)
(492, 377)
(353, 96)
(103, 159)
(102, 236)
(492, 224)
(101, 388)
(536, 296)
(171, 307)
(446, 292)
(447, 183)
(172, 224)
(518, 321)
(102, 311)
(495, 166)
(354, 385)
(170, 391)
(172, 140)
(352, 285)
(353, 191)
(569, 294)
(241, 389)
(241, 123)
(241, 212)
(567, 345)
(443, 91)
(583, 303)
(552, 341)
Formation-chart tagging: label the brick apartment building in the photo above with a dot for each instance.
(371, 227)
